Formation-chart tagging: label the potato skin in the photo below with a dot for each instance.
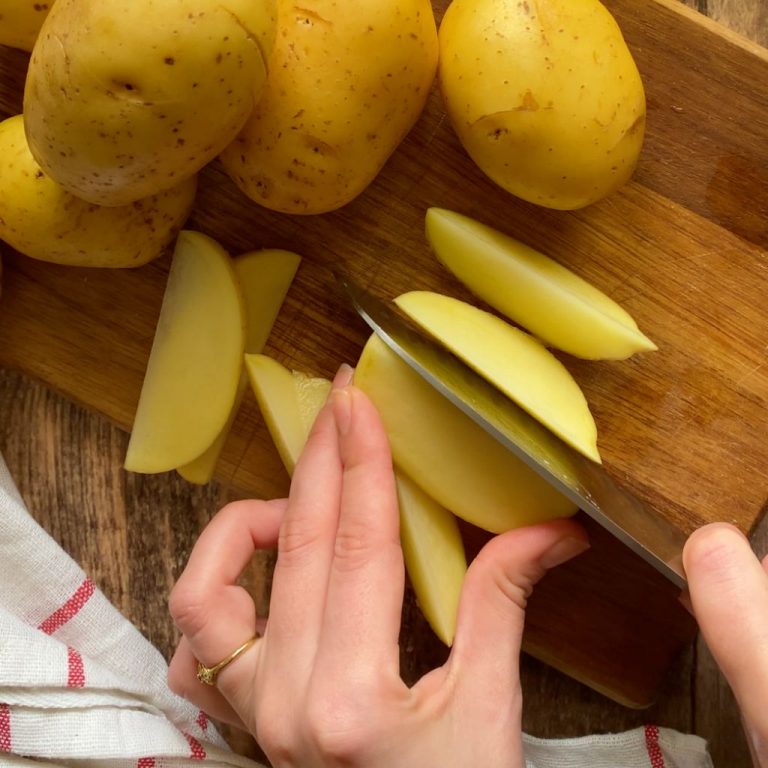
(544, 95)
(345, 86)
(20, 21)
(126, 98)
(40, 219)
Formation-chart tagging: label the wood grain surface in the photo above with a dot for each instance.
(67, 462)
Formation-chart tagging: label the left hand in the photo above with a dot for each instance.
(322, 687)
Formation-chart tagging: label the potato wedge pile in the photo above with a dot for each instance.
(447, 467)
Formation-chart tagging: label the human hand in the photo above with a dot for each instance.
(322, 686)
(729, 595)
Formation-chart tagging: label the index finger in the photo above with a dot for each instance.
(365, 586)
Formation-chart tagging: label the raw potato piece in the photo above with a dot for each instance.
(20, 21)
(449, 456)
(434, 556)
(346, 84)
(40, 219)
(126, 98)
(196, 359)
(556, 305)
(264, 278)
(289, 402)
(512, 361)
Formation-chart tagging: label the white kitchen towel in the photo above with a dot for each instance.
(80, 687)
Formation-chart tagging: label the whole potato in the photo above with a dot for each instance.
(346, 84)
(20, 21)
(39, 219)
(544, 95)
(126, 98)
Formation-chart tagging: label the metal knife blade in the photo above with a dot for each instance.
(588, 485)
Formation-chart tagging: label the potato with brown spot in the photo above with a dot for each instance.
(345, 86)
(126, 98)
(544, 95)
(40, 219)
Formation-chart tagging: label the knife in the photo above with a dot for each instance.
(587, 484)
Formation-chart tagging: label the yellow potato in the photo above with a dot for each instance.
(345, 86)
(448, 455)
(264, 278)
(553, 303)
(434, 556)
(126, 98)
(514, 362)
(544, 95)
(194, 366)
(289, 402)
(20, 21)
(39, 219)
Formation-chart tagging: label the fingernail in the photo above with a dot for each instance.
(343, 376)
(341, 402)
(562, 551)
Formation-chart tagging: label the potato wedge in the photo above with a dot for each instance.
(514, 362)
(289, 402)
(556, 305)
(196, 358)
(448, 455)
(264, 278)
(434, 556)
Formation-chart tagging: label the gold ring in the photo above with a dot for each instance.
(207, 675)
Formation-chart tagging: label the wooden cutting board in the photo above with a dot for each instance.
(684, 248)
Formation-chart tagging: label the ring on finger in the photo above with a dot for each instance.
(208, 675)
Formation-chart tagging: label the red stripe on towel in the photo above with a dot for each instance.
(146, 762)
(202, 721)
(652, 745)
(198, 752)
(70, 609)
(5, 728)
(75, 669)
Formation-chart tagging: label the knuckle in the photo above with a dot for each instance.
(186, 609)
(337, 730)
(514, 583)
(297, 540)
(275, 734)
(353, 547)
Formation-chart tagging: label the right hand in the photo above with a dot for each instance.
(729, 594)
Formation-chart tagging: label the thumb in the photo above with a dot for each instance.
(729, 593)
(491, 614)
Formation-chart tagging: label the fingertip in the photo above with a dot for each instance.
(715, 547)
(343, 376)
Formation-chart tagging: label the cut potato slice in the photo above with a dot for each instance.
(434, 556)
(289, 402)
(553, 303)
(514, 362)
(448, 455)
(194, 366)
(264, 278)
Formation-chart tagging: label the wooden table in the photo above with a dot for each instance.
(133, 533)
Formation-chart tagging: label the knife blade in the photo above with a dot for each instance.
(587, 484)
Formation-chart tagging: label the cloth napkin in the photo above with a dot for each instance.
(81, 687)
